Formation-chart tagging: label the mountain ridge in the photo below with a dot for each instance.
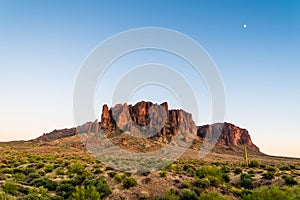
(168, 123)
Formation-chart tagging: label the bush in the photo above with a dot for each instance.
(273, 193)
(225, 169)
(271, 169)
(237, 171)
(60, 171)
(89, 193)
(226, 178)
(202, 183)
(187, 194)
(285, 168)
(186, 184)
(163, 174)
(6, 171)
(268, 175)
(100, 184)
(289, 180)
(171, 194)
(40, 165)
(10, 187)
(111, 174)
(118, 178)
(129, 182)
(213, 196)
(5, 196)
(246, 181)
(49, 168)
(35, 194)
(254, 163)
(77, 168)
(65, 190)
(42, 173)
(32, 176)
(19, 176)
(45, 182)
(214, 174)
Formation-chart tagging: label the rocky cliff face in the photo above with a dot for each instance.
(229, 135)
(148, 120)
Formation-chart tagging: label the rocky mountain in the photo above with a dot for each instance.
(148, 120)
(229, 135)
(157, 122)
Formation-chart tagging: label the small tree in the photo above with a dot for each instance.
(82, 193)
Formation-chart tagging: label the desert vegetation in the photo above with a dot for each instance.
(30, 171)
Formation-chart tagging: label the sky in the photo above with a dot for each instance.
(43, 45)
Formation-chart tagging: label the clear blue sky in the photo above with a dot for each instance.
(43, 44)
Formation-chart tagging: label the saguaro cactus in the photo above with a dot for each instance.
(245, 155)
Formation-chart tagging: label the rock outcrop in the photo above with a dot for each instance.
(229, 135)
(148, 119)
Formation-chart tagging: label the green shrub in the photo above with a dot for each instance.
(246, 181)
(32, 176)
(225, 169)
(40, 165)
(212, 196)
(77, 168)
(268, 175)
(10, 187)
(45, 182)
(187, 194)
(6, 171)
(129, 182)
(19, 176)
(214, 174)
(226, 178)
(28, 170)
(186, 184)
(65, 190)
(254, 163)
(237, 171)
(118, 178)
(111, 174)
(101, 185)
(42, 173)
(49, 168)
(171, 194)
(82, 193)
(190, 171)
(285, 168)
(37, 194)
(273, 193)
(202, 183)
(5, 196)
(60, 171)
(98, 171)
(289, 180)
(23, 190)
(56, 197)
(163, 174)
(271, 169)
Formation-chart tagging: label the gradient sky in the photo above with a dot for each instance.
(43, 44)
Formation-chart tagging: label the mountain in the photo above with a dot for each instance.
(149, 122)
(230, 135)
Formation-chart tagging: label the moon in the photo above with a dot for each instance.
(245, 25)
